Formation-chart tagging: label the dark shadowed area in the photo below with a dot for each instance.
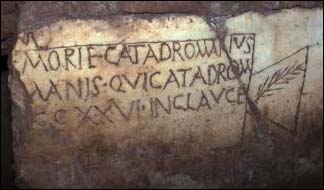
(7, 179)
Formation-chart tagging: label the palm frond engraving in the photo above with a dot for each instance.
(279, 78)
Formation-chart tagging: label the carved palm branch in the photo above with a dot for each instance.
(280, 77)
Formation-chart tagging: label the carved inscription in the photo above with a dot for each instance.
(199, 85)
(155, 81)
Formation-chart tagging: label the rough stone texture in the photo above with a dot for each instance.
(230, 8)
(102, 10)
(294, 4)
(6, 135)
(64, 10)
(8, 7)
(162, 7)
(9, 15)
(269, 134)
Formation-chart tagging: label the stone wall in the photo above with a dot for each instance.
(167, 94)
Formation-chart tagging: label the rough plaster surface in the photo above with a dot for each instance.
(99, 106)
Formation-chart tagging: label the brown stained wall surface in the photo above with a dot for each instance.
(10, 11)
